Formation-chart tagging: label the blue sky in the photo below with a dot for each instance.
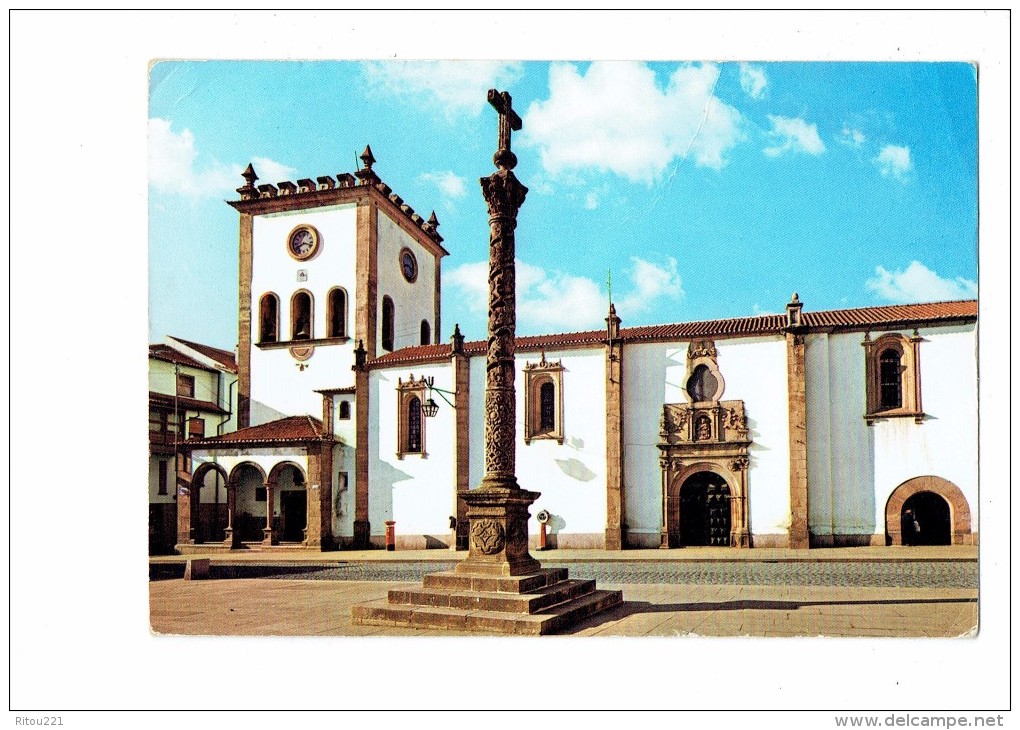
(709, 190)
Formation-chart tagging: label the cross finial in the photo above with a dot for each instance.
(508, 120)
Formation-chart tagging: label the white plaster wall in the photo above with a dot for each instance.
(343, 468)
(754, 370)
(163, 379)
(649, 380)
(416, 491)
(343, 490)
(279, 387)
(818, 388)
(571, 476)
(841, 495)
(412, 302)
(946, 443)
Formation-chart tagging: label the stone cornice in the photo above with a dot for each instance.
(281, 198)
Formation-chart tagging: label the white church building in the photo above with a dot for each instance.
(356, 415)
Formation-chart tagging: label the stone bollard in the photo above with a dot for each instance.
(196, 569)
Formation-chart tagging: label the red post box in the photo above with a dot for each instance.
(391, 535)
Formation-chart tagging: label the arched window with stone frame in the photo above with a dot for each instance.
(543, 397)
(269, 317)
(426, 332)
(893, 377)
(410, 418)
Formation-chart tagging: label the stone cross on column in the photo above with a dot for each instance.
(508, 120)
(504, 195)
(498, 509)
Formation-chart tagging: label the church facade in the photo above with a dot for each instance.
(356, 417)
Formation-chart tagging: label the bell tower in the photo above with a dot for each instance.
(322, 265)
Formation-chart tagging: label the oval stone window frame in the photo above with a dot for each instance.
(702, 353)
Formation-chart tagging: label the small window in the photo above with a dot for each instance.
(337, 313)
(260, 494)
(301, 316)
(890, 379)
(164, 468)
(410, 417)
(426, 332)
(196, 428)
(269, 318)
(388, 315)
(186, 385)
(344, 411)
(547, 406)
(413, 426)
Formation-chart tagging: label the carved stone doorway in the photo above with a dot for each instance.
(704, 511)
(925, 520)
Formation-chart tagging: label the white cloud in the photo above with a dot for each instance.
(752, 80)
(172, 166)
(650, 282)
(793, 135)
(894, 161)
(550, 301)
(918, 283)
(616, 118)
(457, 87)
(851, 137)
(449, 183)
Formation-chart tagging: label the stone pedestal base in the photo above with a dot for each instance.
(498, 535)
(542, 602)
(499, 588)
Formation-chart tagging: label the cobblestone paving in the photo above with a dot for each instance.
(885, 574)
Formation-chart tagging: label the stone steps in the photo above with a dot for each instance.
(546, 621)
(538, 603)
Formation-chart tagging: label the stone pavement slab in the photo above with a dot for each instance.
(286, 607)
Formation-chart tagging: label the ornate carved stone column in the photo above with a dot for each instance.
(499, 587)
(498, 510)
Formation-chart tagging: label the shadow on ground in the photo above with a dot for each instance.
(631, 608)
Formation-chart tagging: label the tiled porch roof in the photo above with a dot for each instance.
(290, 430)
(163, 401)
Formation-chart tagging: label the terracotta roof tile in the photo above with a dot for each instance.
(223, 357)
(766, 324)
(166, 401)
(346, 390)
(169, 354)
(290, 430)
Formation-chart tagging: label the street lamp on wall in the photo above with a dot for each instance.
(430, 408)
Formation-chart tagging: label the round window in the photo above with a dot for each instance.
(408, 265)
